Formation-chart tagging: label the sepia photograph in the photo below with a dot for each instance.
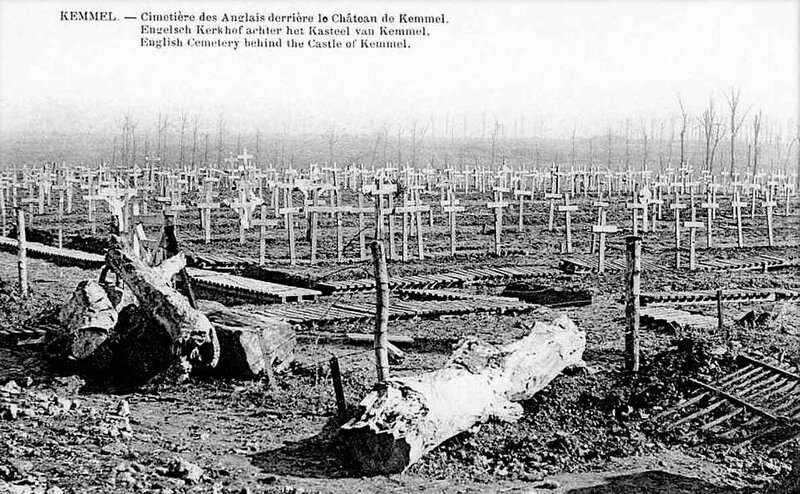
(399, 246)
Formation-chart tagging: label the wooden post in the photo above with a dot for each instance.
(420, 237)
(60, 220)
(362, 239)
(633, 246)
(720, 318)
(338, 389)
(313, 224)
(392, 229)
(382, 310)
(22, 251)
(3, 210)
(405, 226)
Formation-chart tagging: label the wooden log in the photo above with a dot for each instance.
(404, 418)
(192, 334)
(251, 344)
(87, 319)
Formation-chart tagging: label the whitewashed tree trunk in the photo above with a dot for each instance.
(404, 418)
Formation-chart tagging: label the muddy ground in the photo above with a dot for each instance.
(587, 432)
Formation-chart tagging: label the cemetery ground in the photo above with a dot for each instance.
(590, 430)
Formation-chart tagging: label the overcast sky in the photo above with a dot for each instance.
(554, 65)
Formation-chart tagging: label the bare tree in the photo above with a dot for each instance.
(163, 122)
(711, 126)
(627, 144)
(608, 148)
(495, 133)
(757, 120)
(736, 125)
(182, 119)
(572, 156)
(332, 139)
(220, 138)
(645, 149)
(684, 123)
(661, 146)
(671, 140)
(797, 138)
(194, 140)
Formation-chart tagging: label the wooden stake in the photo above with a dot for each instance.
(633, 246)
(381, 309)
(22, 250)
(60, 220)
(338, 389)
(720, 319)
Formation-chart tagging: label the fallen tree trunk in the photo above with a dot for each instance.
(86, 321)
(250, 344)
(404, 418)
(192, 334)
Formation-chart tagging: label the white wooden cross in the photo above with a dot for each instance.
(336, 211)
(244, 207)
(601, 230)
(498, 204)
(521, 195)
(769, 204)
(90, 199)
(693, 225)
(452, 208)
(551, 217)
(568, 209)
(676, 206)
(600, 205)
(737, 206)
(263, 223)
(288, 212)
(410, 212)
(380, 190)
(633, 207)
(710, 206)
(205, 208)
